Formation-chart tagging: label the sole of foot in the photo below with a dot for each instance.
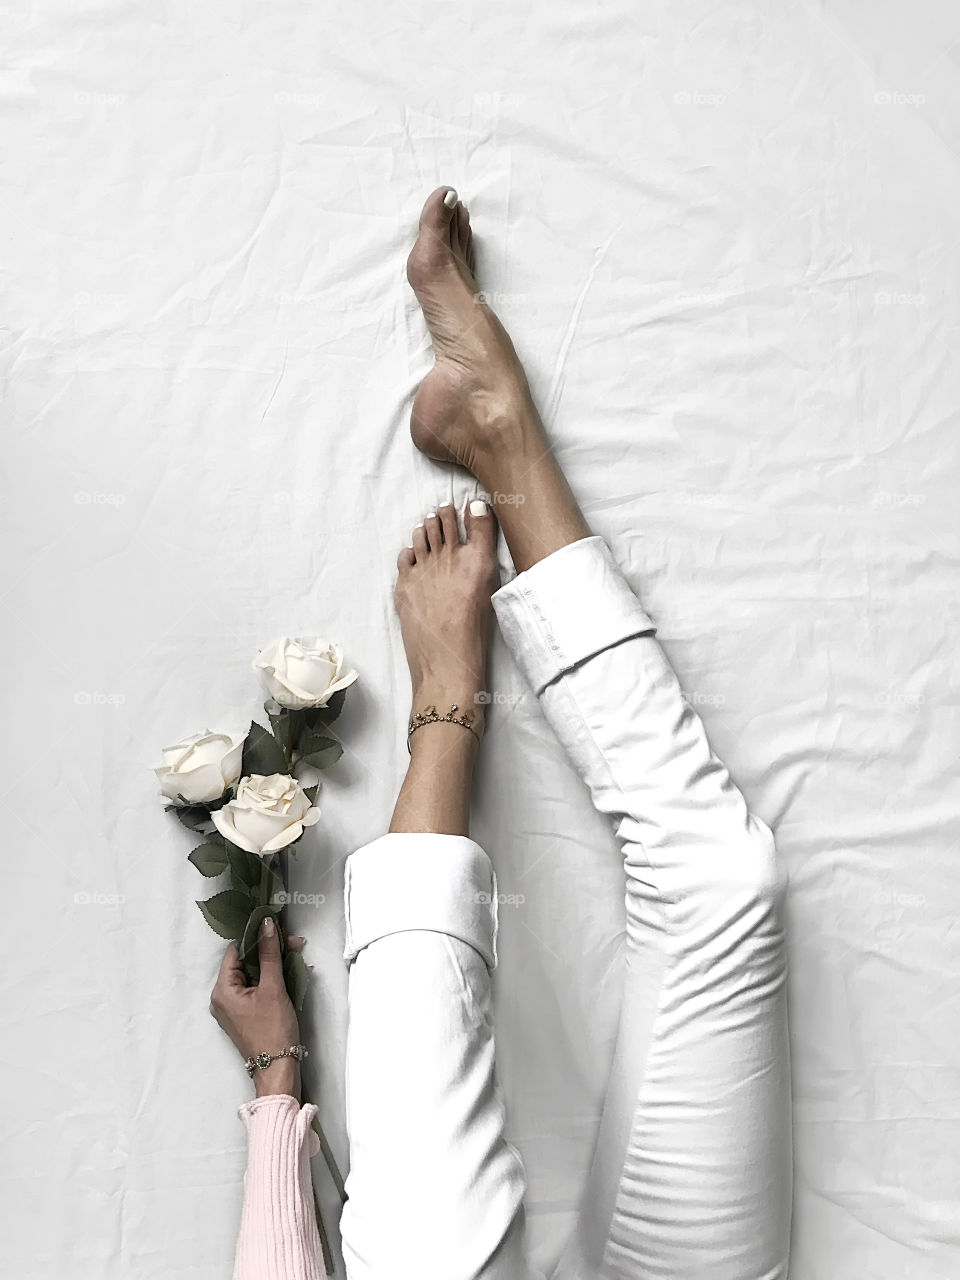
(475, 402)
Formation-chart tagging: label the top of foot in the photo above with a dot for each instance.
(443, 600)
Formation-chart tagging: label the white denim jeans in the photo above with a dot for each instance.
(692, 1175)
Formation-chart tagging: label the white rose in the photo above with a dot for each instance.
(201, 768)
(267, 813)
(302, 672)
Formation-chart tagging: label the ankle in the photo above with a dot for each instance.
(507, 446)
(437, 715)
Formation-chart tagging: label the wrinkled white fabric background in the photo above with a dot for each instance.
(724, 237)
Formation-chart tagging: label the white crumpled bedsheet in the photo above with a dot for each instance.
(725, 238)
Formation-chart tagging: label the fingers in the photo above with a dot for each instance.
(231, 973)
(230, 980)
(268, 947)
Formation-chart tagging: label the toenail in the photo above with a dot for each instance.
(418, 526)
(478, 508)
(450, 199)
(431, 515)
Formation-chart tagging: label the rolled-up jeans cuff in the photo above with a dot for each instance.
(421, 881)
(566, 608)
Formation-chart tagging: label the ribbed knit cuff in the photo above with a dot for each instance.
(278, 1237)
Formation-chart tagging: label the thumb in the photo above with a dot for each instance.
(268, 948)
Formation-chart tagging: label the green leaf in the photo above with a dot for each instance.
(315, 717)
(193, 816)
(295, 975)
(254, 875)
(196, 816)
(284, 725)
(244, 869)
(227, 913)
(319, 751)
(262, 753)
(311, 792)
(249, 946)
(209, 859)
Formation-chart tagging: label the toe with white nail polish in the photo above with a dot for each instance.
(450, 199)
(478, 508)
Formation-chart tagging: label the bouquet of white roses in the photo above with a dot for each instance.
(241, 794)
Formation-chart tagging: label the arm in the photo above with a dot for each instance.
(278, 1237)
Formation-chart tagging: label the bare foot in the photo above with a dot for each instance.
(476, 398)
(474, 406)
(443, 598)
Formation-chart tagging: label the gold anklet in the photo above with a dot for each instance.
(430, 715)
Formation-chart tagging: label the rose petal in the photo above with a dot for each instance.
(282, 693)
(313, 674)
(198, 785)
(259, 827)
(285, 837)
(231, 764)
(343, 682)
(223, 821)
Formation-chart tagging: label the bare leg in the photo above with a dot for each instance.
(692, 1171)
(435, 1191)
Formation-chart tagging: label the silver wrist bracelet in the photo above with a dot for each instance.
(260, 1061)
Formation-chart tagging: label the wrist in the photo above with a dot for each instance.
(282, 1076)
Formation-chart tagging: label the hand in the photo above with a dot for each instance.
(260, 1018)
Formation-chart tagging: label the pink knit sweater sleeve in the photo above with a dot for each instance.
(278, 1229)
